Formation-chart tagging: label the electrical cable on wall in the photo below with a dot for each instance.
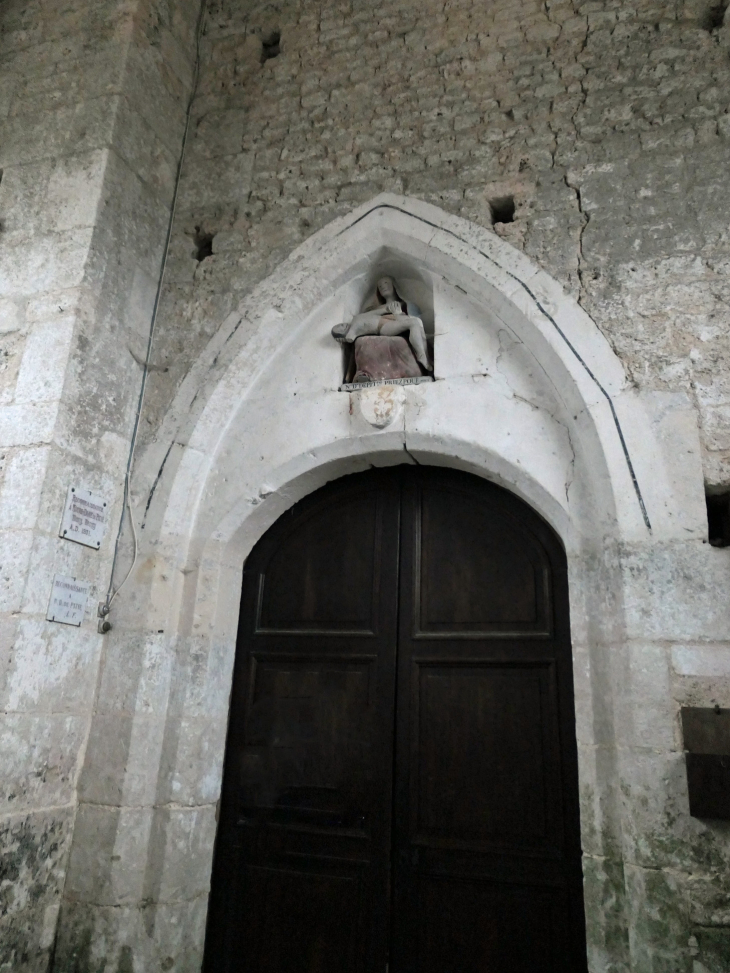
(112, 592)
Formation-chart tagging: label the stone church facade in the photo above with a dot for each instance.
(191, 197)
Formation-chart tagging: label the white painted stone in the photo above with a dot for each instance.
(45, 359)
(55, 261)
(51, 668)
(9, 316)
(28, 424)
(21, 490)
(74, 190)
(701, 660)
(15, 555)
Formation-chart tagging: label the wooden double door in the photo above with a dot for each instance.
(400, 787)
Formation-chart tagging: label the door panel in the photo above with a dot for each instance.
(478, 927)
(325, 574)
(302, 921)
(486, 835)
(487, 772)
(302, 862)
(475, 573)
(400, 781)
(307, 755)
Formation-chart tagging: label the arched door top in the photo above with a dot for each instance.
(401, 783)
(549, 415)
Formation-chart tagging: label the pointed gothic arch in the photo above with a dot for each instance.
(528, 394)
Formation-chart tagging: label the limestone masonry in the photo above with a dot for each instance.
(557, 175)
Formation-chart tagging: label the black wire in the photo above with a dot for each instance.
(145, 371)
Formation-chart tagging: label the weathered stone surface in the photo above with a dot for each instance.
(607, 126)
(33, 851)
(149, 938)
(87, 163)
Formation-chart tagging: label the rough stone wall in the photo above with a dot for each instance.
(608, 124)
(607, 121)
(92, 108)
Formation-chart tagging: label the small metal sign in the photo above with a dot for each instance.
(68, 600)
(84, 517)
(354, 386)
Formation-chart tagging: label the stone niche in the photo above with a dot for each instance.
(383, 346)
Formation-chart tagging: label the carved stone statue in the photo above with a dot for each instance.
(387, 316)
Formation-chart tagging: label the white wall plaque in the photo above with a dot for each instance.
(68, 600)
(84, 517)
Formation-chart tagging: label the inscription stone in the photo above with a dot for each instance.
(68, 600)
(84, 518)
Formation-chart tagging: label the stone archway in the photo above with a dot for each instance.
(401, 780)
(528, 394)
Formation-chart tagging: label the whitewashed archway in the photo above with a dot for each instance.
(528, 393)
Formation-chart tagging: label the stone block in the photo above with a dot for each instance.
(712, 953)
(43, 367)
(50, 669)
(701, 660)
(136, 673)
(22, 937)
(658, 831)
(20, 496)
(600, 810)
(658, 921)
(34, 850)
(148, 156)
(606, 921)
(49, 262)
(15, 554)
(645, 713)
(122, 763)
(156, 94)
(180, 853)
(10, 316)
(218, 133)
(677, 592)
(202, 679)
(52, 82)
(66, 131)
(709, 901)
(108, 856)
(192, 760)
(133, 204)
(594, 703)
(24, 424)
(147, 937)
(13, 344)
(39, 755)
(22, 191)
(74, 191)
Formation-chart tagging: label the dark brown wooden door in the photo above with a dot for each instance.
(400, 785)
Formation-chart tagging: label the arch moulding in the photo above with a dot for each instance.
(527, 393)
